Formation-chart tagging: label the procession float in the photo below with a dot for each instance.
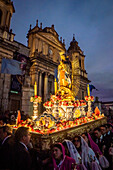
(64, 116)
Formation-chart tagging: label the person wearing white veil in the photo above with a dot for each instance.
(71, 151)
(88, 157)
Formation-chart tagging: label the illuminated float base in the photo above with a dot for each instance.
(44, 142)
(63, 116)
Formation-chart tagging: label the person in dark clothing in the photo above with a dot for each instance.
(109, 132)
(6, 148)
(23, 116)
(108, 140)
(103, 130)
(110, 127)
(22, 159)
(104, 142)
(99, 140)
(1, 122)
(6, 117)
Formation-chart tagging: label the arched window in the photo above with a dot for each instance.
(0, 16)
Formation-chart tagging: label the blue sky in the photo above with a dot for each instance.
(92, 23)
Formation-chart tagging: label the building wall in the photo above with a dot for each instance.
(43, 51)
(44, 55)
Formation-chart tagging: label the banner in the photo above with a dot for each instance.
(10, 66)
(18, 80)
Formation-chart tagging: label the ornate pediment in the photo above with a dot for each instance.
(52, 39)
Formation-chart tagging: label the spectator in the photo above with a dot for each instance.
(103, 130)
(99, 140)
(23, 116)
(98, 154)
(1, 122)
(6, 117)
(22, 156)
(59, 160)
(12, 119)
(110, 127)
(73, 153)
(108, 140)
(86, 153)
(91, 144)
(104, 143)
(6, 149)
(109, 130)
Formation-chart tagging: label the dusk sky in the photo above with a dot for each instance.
(92, 23)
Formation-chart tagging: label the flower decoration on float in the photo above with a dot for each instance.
(83, 103)
(89, 98)
(55, 98)
(37, 99)
(64, 102)
(48, 104)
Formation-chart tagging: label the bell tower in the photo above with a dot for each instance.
(79, 74)
(6, 11)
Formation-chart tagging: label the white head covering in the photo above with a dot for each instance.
(86, 153)
(84, 149)
(73, 151)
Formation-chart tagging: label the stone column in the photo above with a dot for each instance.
(34, 74)
(27, 106)
(40, 84)
(33, 44)
(46, 86)
(37, 80)
(53, 88)
(5, 93)
(40, 92)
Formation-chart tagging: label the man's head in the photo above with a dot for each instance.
(22, 134)
(22, 113)
(5, 131)
(97, 133)
(109, 127)
(103, 129)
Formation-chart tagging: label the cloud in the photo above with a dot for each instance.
(104, 94)
(102, 79)
(104, 83)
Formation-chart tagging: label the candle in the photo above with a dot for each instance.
(35, 89)
(88, 90)
(55, 84)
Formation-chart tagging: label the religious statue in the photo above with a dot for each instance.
(64, 72)
(64, 80)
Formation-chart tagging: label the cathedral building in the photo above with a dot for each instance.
(42, 58)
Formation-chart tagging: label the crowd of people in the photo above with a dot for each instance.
(90, 151)
(10, 118)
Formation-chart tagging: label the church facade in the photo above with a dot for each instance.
(42, 58)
